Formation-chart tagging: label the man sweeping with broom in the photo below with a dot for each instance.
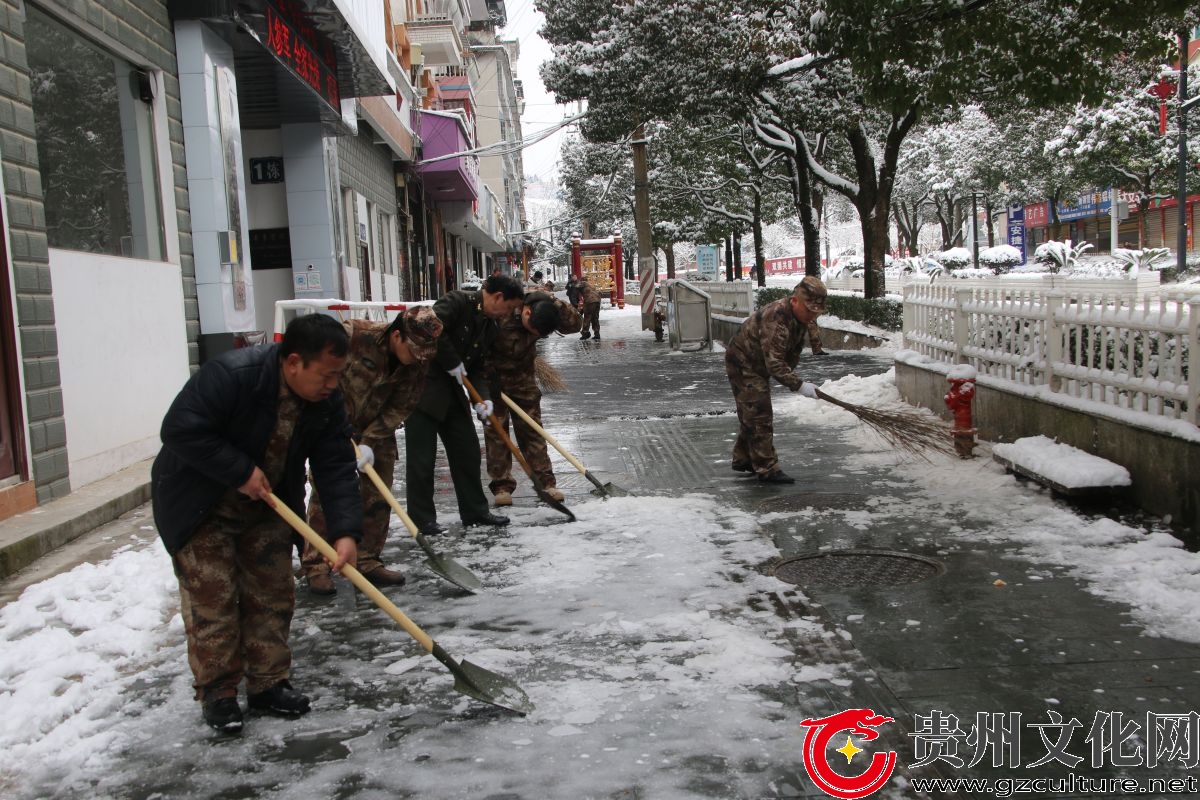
(512, 369)
(769, 346)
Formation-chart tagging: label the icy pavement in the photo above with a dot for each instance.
(662, 660)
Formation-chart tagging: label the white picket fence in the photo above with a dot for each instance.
(1115, 349)
(1145, 282)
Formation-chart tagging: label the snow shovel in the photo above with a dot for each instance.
(537, 484)
(605, 489)
(469, 679)
(444, 566)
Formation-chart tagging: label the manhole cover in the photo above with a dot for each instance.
(857, 568)
(815, 500)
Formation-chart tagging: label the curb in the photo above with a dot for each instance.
(27, 537)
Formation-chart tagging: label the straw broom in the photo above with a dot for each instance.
(910, 431)
(548, 378)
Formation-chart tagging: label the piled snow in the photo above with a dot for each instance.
(1066, 466)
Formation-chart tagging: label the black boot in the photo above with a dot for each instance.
(281, 700)
(743, 466)
(431, 528)
(487, 519)
(777, 477)
(223, 714)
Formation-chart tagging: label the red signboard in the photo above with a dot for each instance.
(300, 56)
(1037, 215)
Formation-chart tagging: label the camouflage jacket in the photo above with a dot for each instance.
(770, 342)
(588, 293)
(380, 391)
(510, 361)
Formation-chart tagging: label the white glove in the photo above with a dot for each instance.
(808, 389)
(366, 457)
(484, 410)
(459, 373)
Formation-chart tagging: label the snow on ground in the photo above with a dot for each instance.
(629, 630)
(611, 621)
(1151, 573)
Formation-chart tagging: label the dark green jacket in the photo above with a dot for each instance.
(467, 335)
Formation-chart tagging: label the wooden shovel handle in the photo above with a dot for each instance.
(365, 586)
(477, 398)
(575, 462)
(370, 472)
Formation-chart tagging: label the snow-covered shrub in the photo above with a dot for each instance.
(1060, 256)
(910, 265)
(1000, 258)
(954, 258)
(1151, 258)
(971, 272)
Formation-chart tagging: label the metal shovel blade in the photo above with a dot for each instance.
(550, 501)
(604, 489)
(483, 684)
(489, 687)
(448, 568)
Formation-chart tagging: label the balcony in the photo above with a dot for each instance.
(443, 134)
(440, 37)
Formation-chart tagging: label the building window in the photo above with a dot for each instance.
(97, 155)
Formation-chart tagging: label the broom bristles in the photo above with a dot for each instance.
(909, 431)
(548, 378)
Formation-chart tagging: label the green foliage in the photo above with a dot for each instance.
(769, 294)
(878, 312)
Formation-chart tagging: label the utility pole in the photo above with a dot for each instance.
(641, 220)
(1181, 239)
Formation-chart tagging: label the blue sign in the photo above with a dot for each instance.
(1093, 204)
(706, 262)
(1016, 229)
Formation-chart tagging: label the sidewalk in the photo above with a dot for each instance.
(28, 537)
(666, 657)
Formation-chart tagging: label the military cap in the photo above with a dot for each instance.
(421, 328)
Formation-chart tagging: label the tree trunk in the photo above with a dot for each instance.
(1056, 224)
(908, 223)
(760, 261)
(802, 198)
(1143, 207)
(669, 249)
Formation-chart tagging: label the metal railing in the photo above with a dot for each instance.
(1122, 352)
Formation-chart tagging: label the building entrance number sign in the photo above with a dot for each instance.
(266, 170)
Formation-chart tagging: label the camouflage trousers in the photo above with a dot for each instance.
(755, 443)
(529, 442)
(237, 595)
(591, 317)
(377, 514)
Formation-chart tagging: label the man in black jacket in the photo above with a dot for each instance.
(242, 427)
(468, 327)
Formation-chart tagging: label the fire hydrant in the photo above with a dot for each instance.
(958, 400)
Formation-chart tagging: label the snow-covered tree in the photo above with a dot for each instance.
(860, 73)
(1118, 143)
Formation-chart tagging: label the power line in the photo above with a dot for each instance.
(504, 147)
